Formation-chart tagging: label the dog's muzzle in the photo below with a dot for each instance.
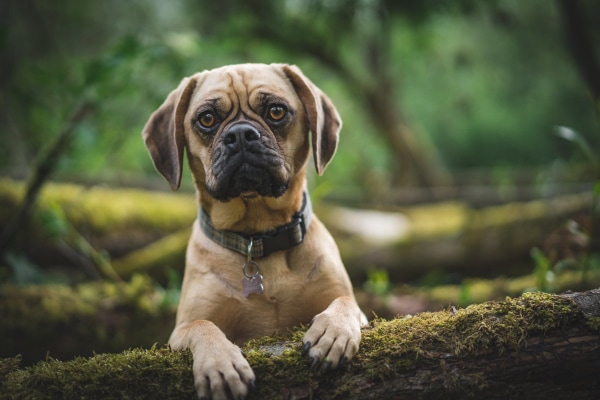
(246, 160)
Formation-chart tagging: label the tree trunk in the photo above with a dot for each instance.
(537, 346)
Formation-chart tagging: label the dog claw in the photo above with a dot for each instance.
(306, 348)
(252, 384)
(315, 363)
(326, 366)
(343, 361)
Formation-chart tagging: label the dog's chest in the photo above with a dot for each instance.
(283, 304)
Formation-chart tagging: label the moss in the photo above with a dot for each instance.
(594, 323)
(438, 220)
(105, 210)
(154, 373)
(277, 359)
(404, 344)
(168, 251)
(8, 366)
(480, 290)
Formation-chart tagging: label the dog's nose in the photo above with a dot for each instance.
(239, 136)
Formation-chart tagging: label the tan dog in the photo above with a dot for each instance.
(258, 261)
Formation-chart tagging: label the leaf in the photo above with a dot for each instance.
(576, 138)
(24, 271)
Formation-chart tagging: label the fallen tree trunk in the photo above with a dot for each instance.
(450, 237)
(146, 231)
(67, 321)
(64, 322)
(410, 299)
(537, 346)
(117, 221)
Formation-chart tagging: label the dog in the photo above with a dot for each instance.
(258, 261)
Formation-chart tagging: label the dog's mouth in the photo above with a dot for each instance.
(246, 164)
(246, 181)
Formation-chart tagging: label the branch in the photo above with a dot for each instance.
(42, 170)
(537, 346)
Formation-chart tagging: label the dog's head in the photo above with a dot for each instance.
(245, 130)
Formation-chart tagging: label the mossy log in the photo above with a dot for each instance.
(448, 236)
(116, 221)
(146, 231)
(156, 257)
(107, 211)
(537, 346)
(63, 322)
(409, 299)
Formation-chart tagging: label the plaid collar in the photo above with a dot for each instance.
(282, 238)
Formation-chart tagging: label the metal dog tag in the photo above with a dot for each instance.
(252, 284)
(252, 281)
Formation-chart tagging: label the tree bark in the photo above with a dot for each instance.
(537, 346)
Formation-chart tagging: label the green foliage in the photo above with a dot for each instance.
(482, 83)
(590, 260)
(378, 282)
(583, 146)
(465, 297)
(24, 271)
(492, 101)
(54, 221)
(543, 270)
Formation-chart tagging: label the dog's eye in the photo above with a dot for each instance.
(276, 113)
(207, 120)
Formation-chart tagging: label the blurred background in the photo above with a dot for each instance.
(468, 167)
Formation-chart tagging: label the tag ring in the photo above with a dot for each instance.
(254, 266)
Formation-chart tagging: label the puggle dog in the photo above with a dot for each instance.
(258, 261)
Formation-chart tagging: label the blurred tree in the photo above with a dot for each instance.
(579, 41)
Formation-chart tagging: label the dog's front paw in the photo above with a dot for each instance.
(222, 372)
(334, 335)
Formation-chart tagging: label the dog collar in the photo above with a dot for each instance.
(261, 244)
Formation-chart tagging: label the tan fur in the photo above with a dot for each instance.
(307, 282)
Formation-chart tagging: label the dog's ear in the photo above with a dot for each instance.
(163, 133)
(323, 119)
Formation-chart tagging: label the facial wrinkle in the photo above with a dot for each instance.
(240, 89)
